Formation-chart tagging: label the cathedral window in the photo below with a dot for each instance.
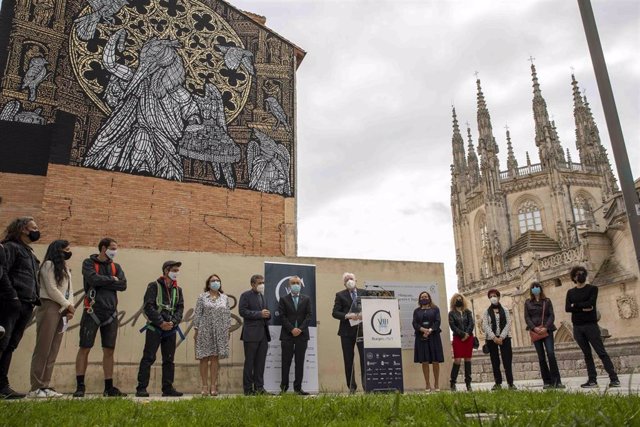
(581, 209)
(529, 217)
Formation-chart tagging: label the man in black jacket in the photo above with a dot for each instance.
(163, 308)
(581, 303)
(295, 312)
(347, 310)
(102, 280)
(20, 293)
(255, 335)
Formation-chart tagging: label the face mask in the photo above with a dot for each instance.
(425, 301)
(494, 300)
(459, 303)
(111, 253)
(260, 288)
(34, 235)
(66, 255)
(214, 285)
(295, 288)
(581, 277)
(351, 284)
(173, 275)
(536, 290)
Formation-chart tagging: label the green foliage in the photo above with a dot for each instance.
(503, 408)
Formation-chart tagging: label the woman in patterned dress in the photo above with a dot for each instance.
(211, 322)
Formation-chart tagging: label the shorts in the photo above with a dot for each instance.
(89, 330)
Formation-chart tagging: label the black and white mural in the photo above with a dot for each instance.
(183, 90)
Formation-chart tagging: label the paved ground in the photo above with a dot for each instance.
(630, 385)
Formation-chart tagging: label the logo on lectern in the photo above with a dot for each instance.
(381, 322)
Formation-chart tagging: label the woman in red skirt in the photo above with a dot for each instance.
(462, 324)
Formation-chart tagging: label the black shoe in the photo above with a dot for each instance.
(263, 392)
(560, 386)
(512, 387)
(614, 383)
(79, 392)
(496, 387)
(142, 392)
(172, 393)
(468, 386)
(547, 386)
(302, 393)
(284, 389)
(589, 384)
(249, 393)
(114, 392)
(452, 386)
(8, 393)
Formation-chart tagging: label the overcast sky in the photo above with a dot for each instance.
(374, 106)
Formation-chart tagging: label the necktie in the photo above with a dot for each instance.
(295, 302)
(261, 301)
(353, 296)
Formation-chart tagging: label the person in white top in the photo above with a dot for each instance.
(56, 294)
(496, 323)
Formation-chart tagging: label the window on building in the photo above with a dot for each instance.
(529, 217)
(581, 209)
(483, 235)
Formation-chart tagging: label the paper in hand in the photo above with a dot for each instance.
(65, 324)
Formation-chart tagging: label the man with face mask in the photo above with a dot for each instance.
(255, 335)
(20, 292)
(347, 310)
(163, 308)
(295, 312)
(581, 303)
(102, 280)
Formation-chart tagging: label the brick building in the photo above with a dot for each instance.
(166, 124)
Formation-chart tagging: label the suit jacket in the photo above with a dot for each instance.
(342, 306)
(255, 328)
(290, 315)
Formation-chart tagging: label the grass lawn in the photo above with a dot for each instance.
(503, 408)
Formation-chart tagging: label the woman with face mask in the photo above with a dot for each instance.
(496, 324)
(428, 345)
(211, 322)
(461, 323)
(56, 295)
(539, 317)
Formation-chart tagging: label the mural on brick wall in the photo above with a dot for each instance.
(192, 91)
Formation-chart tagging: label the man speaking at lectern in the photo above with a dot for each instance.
(347, 310)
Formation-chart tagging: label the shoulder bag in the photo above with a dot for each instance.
(533, 334)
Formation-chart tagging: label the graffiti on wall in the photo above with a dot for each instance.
(191, 91)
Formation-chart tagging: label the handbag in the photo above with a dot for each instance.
(536, 336)
(476, 343)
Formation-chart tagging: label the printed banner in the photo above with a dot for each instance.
(382, 344)
(276, 277)
(407, 296)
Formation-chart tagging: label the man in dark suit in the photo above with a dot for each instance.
(346, 309)
(295, 311)
(255, 335)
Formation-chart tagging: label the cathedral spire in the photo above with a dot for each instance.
(488, 149)
(473, 169)
(592, 153)
(547, 140)
(457, 143)
(512, 163)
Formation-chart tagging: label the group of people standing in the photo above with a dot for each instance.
(25, 284)
(539, 316)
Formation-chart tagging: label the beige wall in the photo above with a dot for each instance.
(143, 266)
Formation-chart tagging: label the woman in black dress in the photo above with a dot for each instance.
(428, 347)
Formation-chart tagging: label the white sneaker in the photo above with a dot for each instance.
(37, 394)
(52, 393)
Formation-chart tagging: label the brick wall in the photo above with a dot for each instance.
(624, 353)
(83, 205)
(20, 195)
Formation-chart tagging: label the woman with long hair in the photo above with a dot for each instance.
(539, 317)
(211, 321)
(21, 296)
(56, 294)
(428, 344)
(461, 323)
